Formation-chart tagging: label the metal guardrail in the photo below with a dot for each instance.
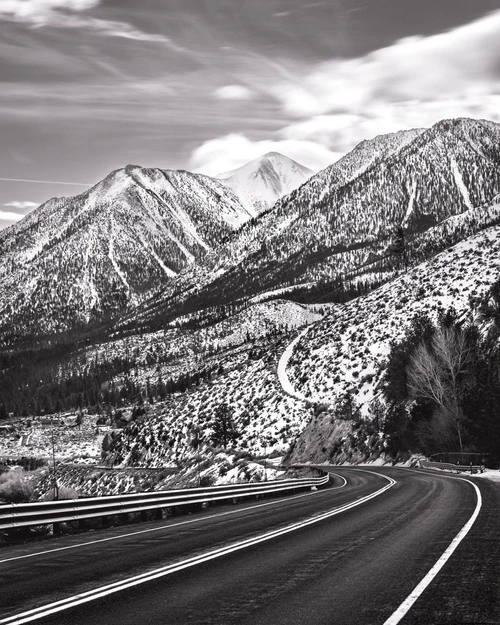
(45, 512)
(471, 468)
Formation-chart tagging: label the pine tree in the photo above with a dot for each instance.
(224, 430)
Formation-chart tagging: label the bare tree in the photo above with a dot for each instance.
(437, 372)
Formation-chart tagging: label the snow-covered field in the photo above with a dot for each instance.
(81, 443)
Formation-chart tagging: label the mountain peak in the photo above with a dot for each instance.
(261, 182)
(277, 156)
(78, 259)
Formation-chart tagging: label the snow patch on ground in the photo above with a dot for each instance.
(411, 202)
(169, 272)
(490, 474)
(460, 183)
(111, 256)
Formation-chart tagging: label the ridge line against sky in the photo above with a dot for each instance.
(91, 85)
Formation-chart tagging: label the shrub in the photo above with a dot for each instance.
(15, 488)
(63, 493)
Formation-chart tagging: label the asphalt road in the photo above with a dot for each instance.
(355, 567)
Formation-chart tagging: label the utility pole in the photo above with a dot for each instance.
(265, 458)
(196, 443)
(54, 472)
(198, 457)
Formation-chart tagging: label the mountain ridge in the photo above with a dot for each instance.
(339, 225)
(73, 259)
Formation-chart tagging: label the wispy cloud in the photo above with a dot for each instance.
(44, 12)
(233, 92)
(461, 62)
(10, 216)
(78, 184)
(21, 205)
(38, 10)
(68, 14)
(20, 209)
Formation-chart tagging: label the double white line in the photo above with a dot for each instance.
(109, 589)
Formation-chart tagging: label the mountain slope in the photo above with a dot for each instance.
(76, 259)
(263, 181)
(434, 184)
(331, 226)
(347, 350)
(341, 221)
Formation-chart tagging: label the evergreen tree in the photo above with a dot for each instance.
(224, 430)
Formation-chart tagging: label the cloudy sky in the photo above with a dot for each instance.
(88, 86)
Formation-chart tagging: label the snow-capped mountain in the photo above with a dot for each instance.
(434, 185)
(343, 218)
(73, 260)
(263, 181)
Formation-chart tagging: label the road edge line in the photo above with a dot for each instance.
(420, 588)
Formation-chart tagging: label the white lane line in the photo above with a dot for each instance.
(168, 527)
(420, 588)
(103, 591)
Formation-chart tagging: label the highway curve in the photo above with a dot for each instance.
(354, 567)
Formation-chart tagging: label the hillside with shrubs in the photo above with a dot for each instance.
(348, 360)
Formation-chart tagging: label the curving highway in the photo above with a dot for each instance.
(370, 549)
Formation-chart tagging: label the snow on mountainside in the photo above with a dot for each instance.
(343, 352)
(347, 350)
(252, 238)
(75, 259)
(242, 352)
(247, 383)
(340, 223)
(263, 181)
(342, 217)
(178, 348)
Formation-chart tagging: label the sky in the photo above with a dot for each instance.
(88, 86)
